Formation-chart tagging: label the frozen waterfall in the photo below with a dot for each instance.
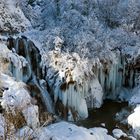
(71, 84)
(25, 66)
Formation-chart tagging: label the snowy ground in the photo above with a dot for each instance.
(72, 132)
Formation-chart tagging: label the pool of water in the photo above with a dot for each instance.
(105, 115)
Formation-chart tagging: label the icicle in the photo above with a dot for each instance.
(102, 76)
(29, 71)
(64, 97)
(131, 78)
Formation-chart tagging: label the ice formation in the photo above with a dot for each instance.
(72, 81)
(26, 50)
(25, 65)
(75, 80)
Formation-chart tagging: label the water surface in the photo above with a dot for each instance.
(105, 115)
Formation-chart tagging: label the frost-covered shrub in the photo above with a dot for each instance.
(12, 18)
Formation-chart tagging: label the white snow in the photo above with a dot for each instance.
(134, 121)
(67, 131)
(16, 97)
(118, 133)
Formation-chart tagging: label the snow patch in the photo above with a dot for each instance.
(118, 133)
(134, 121)
(67, 131)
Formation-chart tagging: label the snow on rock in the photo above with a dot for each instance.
(132, 138)
(98, 39)
(31, 115)
(24, 133)
(101, 133)
(4, 61)
(134, 121)
(67, 131)
(17, 98)
(118, 133)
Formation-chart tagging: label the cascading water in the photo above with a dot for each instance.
(26, 49)
(29, 70)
